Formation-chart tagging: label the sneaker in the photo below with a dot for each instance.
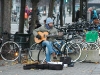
(45, 62)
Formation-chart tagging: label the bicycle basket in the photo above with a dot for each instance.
(91, 36)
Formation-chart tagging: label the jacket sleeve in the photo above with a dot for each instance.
(36, 30)
(56, 32)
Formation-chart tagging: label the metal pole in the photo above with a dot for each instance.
(20, 49)
(73, 11)
(19, 59)
(57, 8)
(64, 12)
(81, 8)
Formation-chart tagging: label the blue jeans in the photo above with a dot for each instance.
(49, 49)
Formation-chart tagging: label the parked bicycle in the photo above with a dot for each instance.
(12, 49)
(9, 49)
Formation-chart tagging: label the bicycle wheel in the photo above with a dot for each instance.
(33, 51)
(73, 51)
(42, 55)
(84, 52)
(10, 51)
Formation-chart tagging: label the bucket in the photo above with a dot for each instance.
(91, 36)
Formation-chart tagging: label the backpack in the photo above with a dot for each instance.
(95, 14)
(26, 15)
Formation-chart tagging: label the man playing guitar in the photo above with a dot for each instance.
(41, 36)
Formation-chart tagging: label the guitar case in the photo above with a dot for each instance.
(30, 66)
(55, 66)
(43, 66)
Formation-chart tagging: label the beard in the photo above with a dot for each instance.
(51, 27)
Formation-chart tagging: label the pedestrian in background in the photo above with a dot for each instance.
(26, 16)
(30, 14)
(77, 14)
(94, 15)
(89, 14)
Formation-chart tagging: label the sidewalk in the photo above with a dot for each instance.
(78, 69)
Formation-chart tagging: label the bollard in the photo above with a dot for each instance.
(88, 16)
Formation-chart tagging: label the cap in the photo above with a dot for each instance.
(49, 20)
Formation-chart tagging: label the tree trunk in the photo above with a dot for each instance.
(61, 11)
(21, 20)
(51, 6)
(1, 15)
(7, 16)
(73, 11)
(33, 19)
(34, 14)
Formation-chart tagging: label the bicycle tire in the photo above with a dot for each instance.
(42, 55)
(84, 52)
(9, 51)
(75, 51)
(34, 48)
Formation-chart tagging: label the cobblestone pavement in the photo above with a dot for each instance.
(78, 69)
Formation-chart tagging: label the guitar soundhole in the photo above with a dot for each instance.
(44, 35)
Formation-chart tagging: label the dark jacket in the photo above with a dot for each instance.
(38, 25)
(77, 15)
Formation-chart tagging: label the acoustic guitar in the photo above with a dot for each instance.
(43, 37)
